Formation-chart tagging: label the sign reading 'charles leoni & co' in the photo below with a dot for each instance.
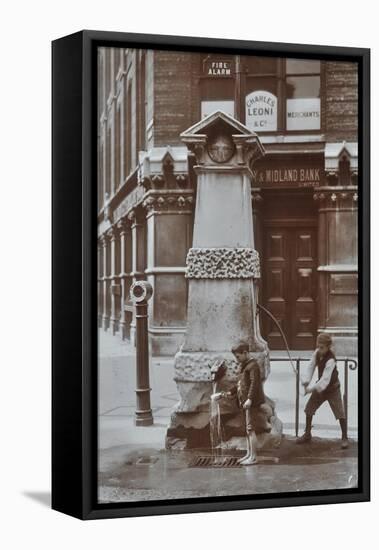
(262, 111)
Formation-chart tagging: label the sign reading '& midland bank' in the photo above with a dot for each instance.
(296, 174)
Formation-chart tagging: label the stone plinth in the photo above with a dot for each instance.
(222, 272)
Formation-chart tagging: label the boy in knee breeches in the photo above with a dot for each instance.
(327, 388)
(251, 399)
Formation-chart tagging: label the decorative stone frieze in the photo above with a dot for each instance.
(222, 263)
(113, 232)
(163, 168)
(133, 199)
(131, 216)
(196, 366)
(168, 200)
(182, 180)
(122, 226)
(337, 197)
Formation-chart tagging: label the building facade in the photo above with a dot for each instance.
(304, 190)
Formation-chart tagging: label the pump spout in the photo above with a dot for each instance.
(218, 370)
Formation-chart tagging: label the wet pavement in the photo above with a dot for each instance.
(141, 472)
(134, 466)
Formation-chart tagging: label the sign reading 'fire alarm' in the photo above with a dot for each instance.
(262, 111)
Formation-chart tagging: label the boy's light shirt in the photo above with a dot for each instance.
(323, 383)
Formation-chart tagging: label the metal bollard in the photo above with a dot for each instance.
(346, 391)
(140, 293)
(297, 397)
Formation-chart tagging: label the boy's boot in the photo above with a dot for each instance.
(307, 435)
(344, 439)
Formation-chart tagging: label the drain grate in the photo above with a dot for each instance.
(215, 462)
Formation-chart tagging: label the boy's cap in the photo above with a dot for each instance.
(324, 338)
(240, 347)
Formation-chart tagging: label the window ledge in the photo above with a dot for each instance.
(298, 138)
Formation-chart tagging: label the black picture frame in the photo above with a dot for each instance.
(74, 328)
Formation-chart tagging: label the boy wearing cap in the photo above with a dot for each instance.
(327, 388)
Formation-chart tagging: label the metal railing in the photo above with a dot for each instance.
(349, 364)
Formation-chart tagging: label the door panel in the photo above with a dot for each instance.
(302, 301)
(276, 283)
(289, 286)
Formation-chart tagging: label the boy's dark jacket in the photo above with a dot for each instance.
(249, 384)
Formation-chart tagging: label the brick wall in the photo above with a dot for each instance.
(196, 68)
(149, 94)
(134, 109)
(341, 81)
(173, 96)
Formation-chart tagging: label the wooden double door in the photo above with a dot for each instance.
(289, 284)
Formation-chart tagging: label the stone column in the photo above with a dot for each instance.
(106, 309)
(338, 266)
(114, 286)
(122, 228)
(169, 232)
(166, 177)
(99, 283)
(338, 247)
(222, 266)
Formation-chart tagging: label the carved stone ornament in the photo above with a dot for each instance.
(131, 216)
(221, 149)
(197, 366)
(336, 197)
(159, 202)
(222, 263)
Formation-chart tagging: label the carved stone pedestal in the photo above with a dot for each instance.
(222, 270)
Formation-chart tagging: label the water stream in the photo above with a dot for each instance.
(215, 426)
